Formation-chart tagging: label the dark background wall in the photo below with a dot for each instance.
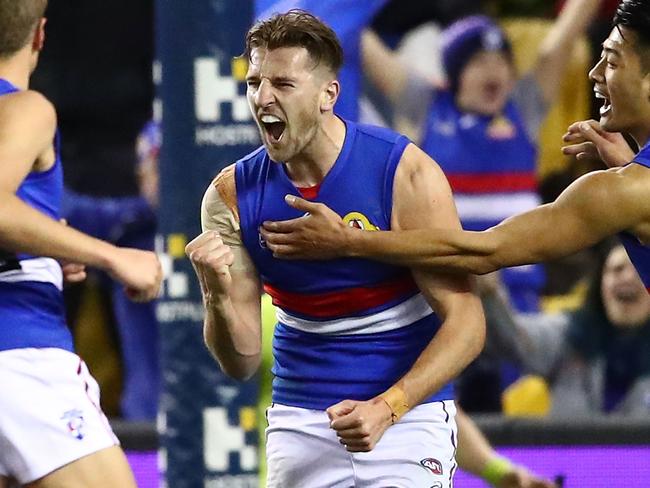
(96, 69)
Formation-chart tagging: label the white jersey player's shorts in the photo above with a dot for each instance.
(49, 412)
(418, 451)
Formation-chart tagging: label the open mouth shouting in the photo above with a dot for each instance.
(606, 106)
(273, 127)
(492, 90)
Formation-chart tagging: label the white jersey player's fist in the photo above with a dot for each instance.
(211, 259)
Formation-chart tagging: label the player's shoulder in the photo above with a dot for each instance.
(376, 132)
(224, 189)
(249, 168)
(626, 190)
(596, 183)
(414, 161)
(27, 101)
(634, 176)
(630, 174)
(252, 157)
(225, 179)
(28, 105)
(615, 186)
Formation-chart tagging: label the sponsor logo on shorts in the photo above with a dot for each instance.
(432, 465)
(75, 423)
(437, 484)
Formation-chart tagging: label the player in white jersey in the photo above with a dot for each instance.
(52, 431)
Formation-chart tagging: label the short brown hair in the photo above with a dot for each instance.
(297, 28)
(18, 19)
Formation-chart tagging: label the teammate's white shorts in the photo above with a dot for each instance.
(49, 413)
(418, 451)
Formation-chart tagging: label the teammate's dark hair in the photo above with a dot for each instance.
(18, 19)
(635, 16)
(297, 28)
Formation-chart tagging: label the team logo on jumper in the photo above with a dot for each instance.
(359, 221)
(75, 423)
(432, 465)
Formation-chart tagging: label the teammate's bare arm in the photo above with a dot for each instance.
(230, 285)
(27, 129)
(595, 206)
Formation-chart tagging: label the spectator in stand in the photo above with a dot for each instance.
(597, 359)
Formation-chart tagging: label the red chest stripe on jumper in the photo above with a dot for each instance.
(492, 182)
(341, 302)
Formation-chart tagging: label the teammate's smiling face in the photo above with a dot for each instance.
(626, 301)
(623, 85)
(285, 89)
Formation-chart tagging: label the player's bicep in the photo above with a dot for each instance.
(422, 199)
(27, 126)
(589, 210)
(599, 204)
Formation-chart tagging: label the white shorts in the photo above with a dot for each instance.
(49, 413)
(418, 451)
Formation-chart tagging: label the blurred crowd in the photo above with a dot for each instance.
(459, 77)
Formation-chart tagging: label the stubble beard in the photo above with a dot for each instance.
(298, 145)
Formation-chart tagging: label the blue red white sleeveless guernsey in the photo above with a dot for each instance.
(489, 161)
(639, 254)
(31, 301)
(348, 328)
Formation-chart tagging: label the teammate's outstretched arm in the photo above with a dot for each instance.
(422, 199)
(27, 129)
(230, 286)
(595, 206)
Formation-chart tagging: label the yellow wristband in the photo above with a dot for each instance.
(495, 469)
(396, 400)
